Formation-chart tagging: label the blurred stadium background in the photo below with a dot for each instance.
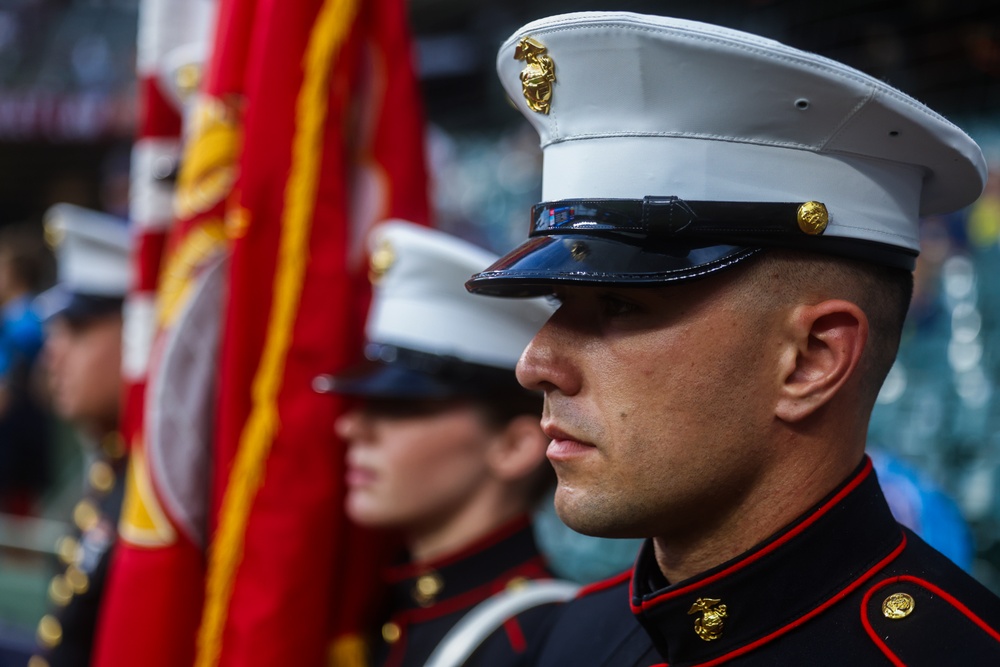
(68, 114)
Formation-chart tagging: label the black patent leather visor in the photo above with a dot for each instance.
(78, 309)
(389, 371)
(659, 240)
(543, 262)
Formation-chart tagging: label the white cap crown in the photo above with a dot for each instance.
(629, 106)
(92, 250)
(420, 302)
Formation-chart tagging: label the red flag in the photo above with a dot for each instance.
(154, 592)
(332, 142)
(309, 130)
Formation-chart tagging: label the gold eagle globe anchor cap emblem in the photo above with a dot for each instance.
(708, 626)
(538, 75)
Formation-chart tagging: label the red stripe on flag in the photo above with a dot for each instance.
(157, 116)
(291, 573)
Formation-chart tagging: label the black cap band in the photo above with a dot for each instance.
(674, 218)
(658, 240)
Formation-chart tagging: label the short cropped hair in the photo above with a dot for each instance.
(882, 292)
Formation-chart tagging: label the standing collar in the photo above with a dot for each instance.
(466, 577)
(776, 586)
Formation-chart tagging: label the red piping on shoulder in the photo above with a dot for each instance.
(965, 611)
(815, 612)
(604, 584)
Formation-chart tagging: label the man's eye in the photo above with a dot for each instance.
(614, 306)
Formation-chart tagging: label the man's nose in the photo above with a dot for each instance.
(547, 362)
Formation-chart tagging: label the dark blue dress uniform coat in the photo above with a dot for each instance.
(426, 600)
(844, 585)
(66, 634)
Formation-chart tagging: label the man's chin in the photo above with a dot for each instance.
(591, 516)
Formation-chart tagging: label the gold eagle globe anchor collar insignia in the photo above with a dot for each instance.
(538, 75)
(709, 625)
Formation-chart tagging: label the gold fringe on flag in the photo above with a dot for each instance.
(328, 34)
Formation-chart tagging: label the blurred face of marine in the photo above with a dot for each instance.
(83, 361)
(656, 404)
(413, 464)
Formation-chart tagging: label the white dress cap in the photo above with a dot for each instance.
(92, 251)
(629, 106)
(420, 302)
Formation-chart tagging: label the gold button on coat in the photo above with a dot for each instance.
(427, 588)
(516, 583)
(49, 631)
(60, 592)
(77, 579)
(391, 633)
(101, 476)
(898, 605)
(68, 549)
(85, 515)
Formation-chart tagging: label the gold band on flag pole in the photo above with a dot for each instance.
(327, 37)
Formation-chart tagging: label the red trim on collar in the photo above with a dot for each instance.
(530, 569)
(965, 611)
(604, 584)
(739, 565)
(415, 569)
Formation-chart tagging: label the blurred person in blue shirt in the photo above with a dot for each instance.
(25, 265)
(920, 505)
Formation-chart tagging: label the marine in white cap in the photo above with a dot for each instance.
(730, 226)
(82, 352)
(445, 447)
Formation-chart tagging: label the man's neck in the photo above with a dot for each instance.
(775, 504)
(434, 539)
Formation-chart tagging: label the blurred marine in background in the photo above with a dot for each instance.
(83, 320)
(445, 447)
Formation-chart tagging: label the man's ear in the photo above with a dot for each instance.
(518, 449)
(823, 349)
